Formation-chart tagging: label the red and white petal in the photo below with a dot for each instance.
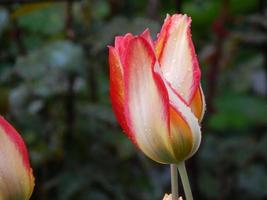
(147, 36)
(121, 44)
(162, 36)
(147, 104)
(198, 104)
(177, 56)
(117, 94)
(16, 178)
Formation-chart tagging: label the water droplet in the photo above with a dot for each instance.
(147, 130)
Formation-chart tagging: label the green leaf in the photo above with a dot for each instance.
(235, 111)
(203, 13)
(242, 6)
(100, 9)
(46, 20)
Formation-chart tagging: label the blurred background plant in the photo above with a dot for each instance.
(54, 88)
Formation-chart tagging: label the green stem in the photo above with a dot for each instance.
(174, 181)
(185, 181)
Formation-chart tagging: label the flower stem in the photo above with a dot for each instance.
(174, 181)
(185, 181)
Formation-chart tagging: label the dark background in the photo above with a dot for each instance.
(54, 89)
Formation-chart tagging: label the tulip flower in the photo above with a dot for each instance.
(16, 178)
(156, 94)
(155, 90)
(169, 197)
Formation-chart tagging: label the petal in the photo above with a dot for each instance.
(121, 44)
(162, 36)
(185, 124)
(117, 94)
(198, 104)
(177, 56)
(181, 135)
(147, 104)
(147, 36)
(17, 181)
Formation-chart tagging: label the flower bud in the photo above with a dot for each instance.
(16, 178)
(155, 90)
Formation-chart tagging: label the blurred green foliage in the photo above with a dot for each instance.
(54, 88)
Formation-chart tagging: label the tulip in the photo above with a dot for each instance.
(156, 94)
(169, 197)
(155, 90)
(16, 178)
